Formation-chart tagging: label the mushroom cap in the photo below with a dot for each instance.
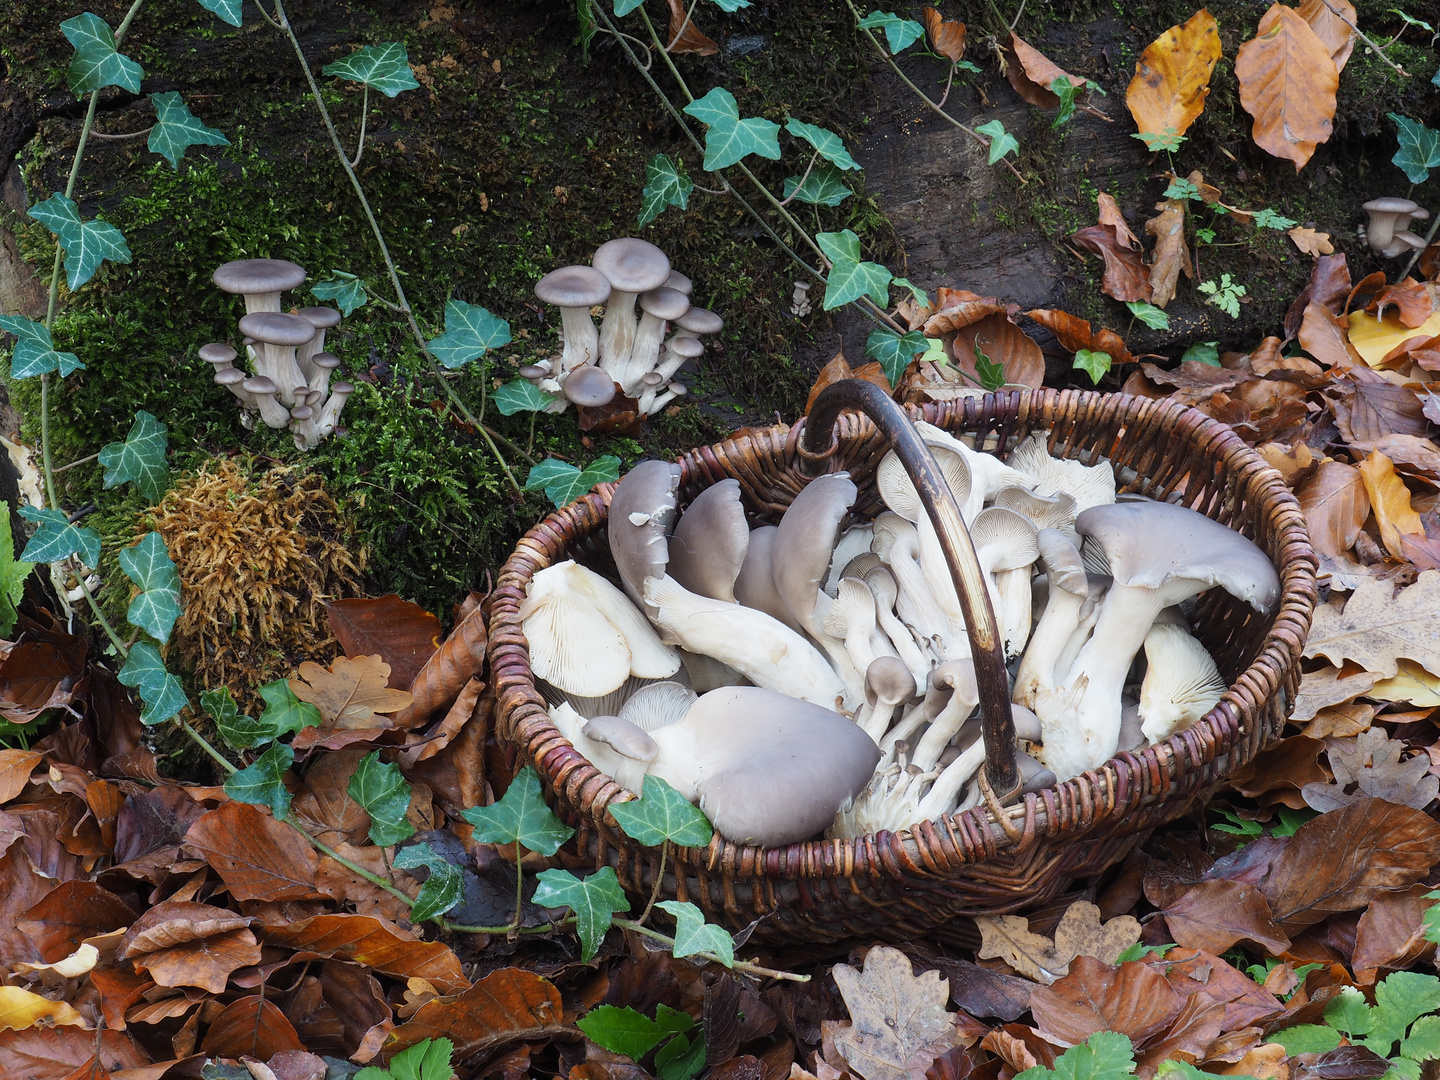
(258, 276)
(1149, 544)
(699, 321)
(1027, 724)
(533, 372)
(1046, 511)
(325, 360)
(806, 541)
(322, 318)
(341, 389)
(853, 608)
(755, 584)
(574, 287)
(642, 512)
(589, 387)
(887, 679)
(1390, 204)
(1064, 568)
(658, 705)
(1010, 536)
(664, 303)
(862, 564)
(678, 389)
(217, 352)
(622, 736)
(277, 328)
(687, 347)
(301, 412)
(230, 376)
(652, 378)
(709, 543)
(259, 384)
(312, 397)
(632, 265)
(679, 282)
(1405, 236)
(898, 490)
(1034, 777)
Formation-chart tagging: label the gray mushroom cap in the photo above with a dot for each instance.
(325, 360)
(642, 512)
(275, 328)
(589, 387)
(623, 737)
(808, 533)
(755, 584)
(218, 353)
(679, 282)
(230, 376)
(664, 303)
(322, 318)
(887, 679)
(248, 276)
(687, 347)
(710, 540)
(632, 265)
(652, 378)
(574, 287)
(1034, 777)
(700, 321)
(260, 384)
(1150, 544)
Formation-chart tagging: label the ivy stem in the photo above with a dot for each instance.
(659, 880)
(77, 461)
(519, 886)
(364, 115)
(205, 745)
(738, 965)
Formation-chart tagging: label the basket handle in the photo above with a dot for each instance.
(818, 443)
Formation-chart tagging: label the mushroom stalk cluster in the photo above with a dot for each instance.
(628, 354)
(850, 632)
(290, 386)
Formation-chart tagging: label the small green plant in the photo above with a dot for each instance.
(1403, 1026)
(1224, 295)
(1094, 363)
(426, 1060)
(630, 1032)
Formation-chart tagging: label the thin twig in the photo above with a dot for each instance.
(659, 879)
(809, 165)
(1376, 49)
(738, 965)
(118, 138)
(1018, 12)
(77, 461)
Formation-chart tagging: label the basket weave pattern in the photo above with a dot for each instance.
(920, 882)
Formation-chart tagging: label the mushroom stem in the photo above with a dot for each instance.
(1067, 592)
(964, 696)
(582, 340)
(944, 794)
(617, 332)
(644, 352)
(330, 411)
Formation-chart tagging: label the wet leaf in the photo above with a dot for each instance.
(351, 692)
(442, 890)
(506, 1006)
(1079, 932)
(1371, 762)
(1031, 72)
(1172, 77)
(898, 1019)
(70, 913)
(593, 900)
(1377, 625)
(383, 67)
(262, 782)
(1287, 83)
(1126, 277)
(257, 857)
(404, 635)
(1390, 500)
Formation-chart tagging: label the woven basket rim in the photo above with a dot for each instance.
(984, 831)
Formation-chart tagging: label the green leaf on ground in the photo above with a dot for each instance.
(1106, 1055)
(345, 289)
(470, 331)
(382, 67)
(522, 815)
(384, 794)
(1180, 188)
(1149, 314)
(96, 63)
(824, 186)
(1269, 219)
(13, 573)
(594, 901)
(238, 730)
(992, 375)
(694, 935)
(900, 33)
(1001, 141)
(1419, 148)
(426, 1060)
(826, 143)
(680, 1058)
(729, 138)
(1169, 139)
(520, 395)
(849, 277)
(626, 1031)
(140, 459)
(35, 352)
(1067, 92)
(161, 692)
(624, 7)
(177, 129)
(1203, 352)
(1401, 999)
(229, 10)
(441, 891)
(894, 351)
(1347, 1013)
(662, 814)
(284, 712)
(261, 783)
(563, 483)
(1094, 363)
(665, 185)
(148, 565)
(1306, 1039)
(57, 539)
(1423, 1042)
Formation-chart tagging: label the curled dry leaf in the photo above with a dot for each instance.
(1171, 256)
(1126, 277)
(1110, 215)
(376, 944)
(1031, 72)
(1133, 999)
(509, 1005)
(351, 692)
(1287, 83)
(898, 1019)
(1391, 933)
(1370, 762)
(1003, 343)
(182, 943)
(1390, 499)
(684, 36)
(1172, 76)
(1334, 24)
(1080, 932)
(1076, 334)
(1377, 625)
(20, 1008)
(456, 662)
(1414, 302)
(947, 38)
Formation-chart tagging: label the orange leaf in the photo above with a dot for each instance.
(404, 634)
(1311, 242)
(182, 943)
(258, 857)
(376, 944)
(1005, 344)
(1031, 72)
(1172, 76)
(1287, 83)
(250, 1027)
(836, 370)
(70, 913)
(1328, 20)
(947, 38)
(1126, 277)
(1390, 499)
(1322, 336)
(1110, 215)
(1075, 334)
(1335, 505)
(685, 37)
(15, 769)
(351, 692)
(455, 663)
(1414, 302)
(504, 1006)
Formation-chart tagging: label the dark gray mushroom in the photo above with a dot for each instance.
(260, 281)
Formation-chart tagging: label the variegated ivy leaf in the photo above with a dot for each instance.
(140, 459)
(1001, 141)
(826, 143)
(148, 565)
(262, 783)
(665, 185)
(824, 185)
(345, 289)
(693, 934)
(161, 692)
(96, 63)
(382, 67)
(729, 138)
(594, 901)
(443, 889)
(894, 351)
(470, 331)
(849, 277)
(35, 352)
(177, 129)
(229, 10)
(57, 539)
(520, 395)
(87, 243)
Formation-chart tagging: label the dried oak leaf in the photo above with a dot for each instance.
(508, 1005)
(1126, 277)
(1377, 625)
(1172, 76)
(351, 692)
(1370, 764)
(1171, 256)
(947, 38)
(1311, 242)
(1287, 83)
(1326, 687)
(1080, 932)
(404, 634)
(899, 1024)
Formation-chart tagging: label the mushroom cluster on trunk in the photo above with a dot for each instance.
(290, 386)
(628, 354)
(816, 674)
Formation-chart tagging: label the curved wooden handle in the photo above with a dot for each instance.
(987, 649)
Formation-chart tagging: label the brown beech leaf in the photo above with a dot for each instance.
(1369, 407)
(1329, 21)
(1005, 344)
(1390, 500)
(405, 635)
(1171, 255)
(898, 1019)
(1414, 303)
(1410, 453)
(70, 913)
(424, 747)
(1188, 1038)
(375, 944)
(182, 943)
(1126, 277)
(39, 1053)
(351, 692)
(1287, 83)
(1371, 762)
(508, 1005)
(1391, 933)
(356, 995)
(1133, 999)
(1110, 215)
(1377, 625)
(1031, 72)
(118, 990)
(1280, 770)
(960, 310)
(37, 675)
(836, 370)
(1324, 338)
(250, 1027)
(456, 662)
(258, 857)
(1214, 915)
(946, 38)
(1342, 860)
(1075, 334)
(1080, 932)
(1195, 971)
(685, 36)
(1172, 76)
(1309, 241)
(1336, 507)
(15, 769)
(1009, 1049)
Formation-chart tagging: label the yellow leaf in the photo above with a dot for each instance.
(1390, 500)
(1374, 338)
(22, 1009)
(1172, 76)
(1311, 242)
(1287, 83)
(1411, 683)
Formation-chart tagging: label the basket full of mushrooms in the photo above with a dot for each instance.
(915, 665)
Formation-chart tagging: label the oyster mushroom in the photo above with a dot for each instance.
(1068, 588)
(322, 319)
(642, 513)
(1181, 684)
(276, 338)
(589, 387)
(755, 584)
(1088, 485)
(657, 306)
(708, 546)
(575, 290)
(1387, 231)
(260, 281)
(632, 267)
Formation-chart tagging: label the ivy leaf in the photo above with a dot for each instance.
(87, 243)
(680, 1058)
(1067, 92)
(96, 63)
(1149, 314)
(729, 138)
(1269, 219)
(1094, 363)
(1106, 1055)
(148, 565)
(624, 7)
(229, 10)
(385, 795)
(594, 900)
(1001, 141)
(824, 186)
(665, 185)
(261, 783)
(826, 143)
(382, 67)
(441, 891)
(935, 352)
(470, 331)
(140, 459)
(921, 296)
(849, 278)
(894, 351)
(992, 375)
(662, 814)
(521, 816)
(161, 692)
(626, 1031)
(899, 33)
(177, 129)
(345, 289)
(57, 539)
(1203, 352)
(520, 395)
(1419, 148)
(238, 730)
(694, 935)
(563, 483)
(731, 6)
(35, 353)
(13, 573)
(284, 712)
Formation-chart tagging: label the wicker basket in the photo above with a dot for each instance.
(928, 880)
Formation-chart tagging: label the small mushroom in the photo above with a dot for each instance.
(708, 546)
(1067, 589)
(589, 387)
(658, 704)
(672, 391)
(677, 351)
(881, 580)
(276, 337)
(322, 366)
(698, 321)
(218, 355)
(888, 685)
(657, 307)
(679, 282)
(232, 379)
(322, 319)
(260, 281)
(1046, 511)
(303, 428)
(534, 372)
(330, 411)
(853, 543)
(755, 584)
(262, 389)
(940, 691)
(575, 290)
(898, 543)
(964, 696)
(642, 513)
(985, 473)
(1006, 541)
(632, 266)
(1181, 684)
(1387, 232)
(852, 619)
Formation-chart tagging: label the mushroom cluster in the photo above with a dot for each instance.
(1388, 230)
(625, 355)
(291, 386)
(816, 674)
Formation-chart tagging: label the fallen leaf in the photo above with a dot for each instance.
(1195, 971)
(1368, 407)
(1391, 933)
(35, 676)
(20, 1008)
(375, 944)
(1031, 72)
(836, 370)
(118, 990)
(508, 1005)
(1003, 343)
(1287, 83)
(457, 661)
(1390, 500)
(1075, 334)
(1371, 762)
(1080, 932)
(1376, 338)
(1377, 625)
(153, 821)
(55, 1053)
(1412, 683)
(70, 913)
(1326, 687)
(357, 996)
(960, 309)
(1414, 303)
(684, 36)
(250, 1027)
(257, 857)
(1341, 721)
(1308, 240)
(1324, 338)
(1009, 1049)
(15, 769)
(1214, 915)
(1172, 77)
(1277, 773)
(1171, 256)
(1336, 507)
(1133, 999)
(947, 38)
(1188, 1038)
(1126, 277)
(405, 635)
(1110, 215)
(182, 943)
(351, 692)
(898, 1019)
(1328, 18)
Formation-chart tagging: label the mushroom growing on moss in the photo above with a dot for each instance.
(276, 338)
(260, 281)
(632, 267)
(575, 290)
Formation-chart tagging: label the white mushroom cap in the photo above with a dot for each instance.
(658, 704)
(708, 546)
(1181, 684)
(679, 282)
(853, 541)
(589, 387)
(632, 265)
(987, 474)
(261, 281)
(653, 378)
(888, 684)
(1088, 485)
(700, 321)
(642, 513)
(688, 347)
(852, 619)
(574, 287)
(664, 303)
(218, 353)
